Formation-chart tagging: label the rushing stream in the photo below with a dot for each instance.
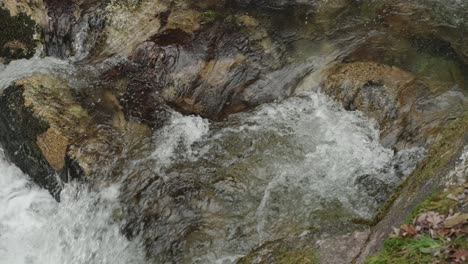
(199, 132)
(34, 228)
(290, 166)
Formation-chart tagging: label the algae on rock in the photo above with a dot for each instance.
(17, 38)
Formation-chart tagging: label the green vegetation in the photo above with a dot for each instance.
(209, 16)
(424, 248)
(406, 251)
(437, 202)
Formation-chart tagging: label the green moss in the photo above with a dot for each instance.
(437, 202)
(406, 250)
(17, 36)
(370, 9)
(209, 16)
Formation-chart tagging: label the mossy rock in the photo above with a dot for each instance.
(451, 143)
(17, 36)
(19, 132)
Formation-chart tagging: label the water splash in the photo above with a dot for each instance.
(35, 229)
(299, 164)
(18, 69)
(175, 141)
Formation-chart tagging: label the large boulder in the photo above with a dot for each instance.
(437, 21)
(32, 135)
(409, 110)
(46, 131)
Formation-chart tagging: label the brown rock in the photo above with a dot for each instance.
(54, 147)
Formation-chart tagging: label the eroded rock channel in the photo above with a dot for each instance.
(225, 131)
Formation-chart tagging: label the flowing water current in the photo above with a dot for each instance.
(280, 169)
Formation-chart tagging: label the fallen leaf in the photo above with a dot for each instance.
(408, 231)
(459, 255)
(434, 219)
(455, 220)
(444, 232)
(421, 219)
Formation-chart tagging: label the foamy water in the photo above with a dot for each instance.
(35, 229)
(279, 168)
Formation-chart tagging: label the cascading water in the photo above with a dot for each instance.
(274, 171)
(291, 166)
(34, 228)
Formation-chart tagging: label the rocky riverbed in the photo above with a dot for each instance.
(237, 131)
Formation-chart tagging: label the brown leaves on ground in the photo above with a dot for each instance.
(456, 220)
(408, 231)
(458, 255)
(445, 228)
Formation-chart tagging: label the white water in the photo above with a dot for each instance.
(18, 69)
(177, 139)
(35, 229)
(285, 167)
(296, 159)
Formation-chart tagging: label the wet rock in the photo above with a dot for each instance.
(46, 131)
(210, 73)
(444, 161)
(299, 250)
(397, 100)
(17, 39)
(443, 21)
(342, 249)
(27, 132)
(375, 187)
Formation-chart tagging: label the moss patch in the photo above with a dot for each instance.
(209, 16)
(406, 250)
(17, 36)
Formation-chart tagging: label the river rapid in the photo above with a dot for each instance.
(286, 167)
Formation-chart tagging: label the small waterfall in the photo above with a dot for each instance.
(34, 228)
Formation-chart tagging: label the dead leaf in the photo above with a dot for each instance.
(444, 232)
(460, 255)
(455, 220)
(434, 219)
(464, 230)
(408, 231)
